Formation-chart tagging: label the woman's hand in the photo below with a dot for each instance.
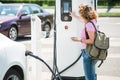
(72, 14)
(75, 39)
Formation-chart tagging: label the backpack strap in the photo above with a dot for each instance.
(87, 36)
(93, 25)
(100, 63)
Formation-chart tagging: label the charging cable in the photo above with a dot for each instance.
(55, 76)
(36, 57)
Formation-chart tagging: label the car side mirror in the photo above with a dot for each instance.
(23, 15)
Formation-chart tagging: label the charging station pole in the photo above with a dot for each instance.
(34, 67)
(68, 51)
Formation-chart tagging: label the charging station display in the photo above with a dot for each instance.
(66, 8)
(66, 27)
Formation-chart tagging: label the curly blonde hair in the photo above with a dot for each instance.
(87, 12)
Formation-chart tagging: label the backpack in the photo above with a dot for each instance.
(99, 49)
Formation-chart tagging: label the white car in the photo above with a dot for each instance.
(12, 59)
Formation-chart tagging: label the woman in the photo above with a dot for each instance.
(87, 14)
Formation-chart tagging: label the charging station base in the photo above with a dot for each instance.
(72, 78)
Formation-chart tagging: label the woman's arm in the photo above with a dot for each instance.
(86, 41)
(91, 35)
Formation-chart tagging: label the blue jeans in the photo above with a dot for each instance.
(89, 66)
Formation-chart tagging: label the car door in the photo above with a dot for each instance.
(24, 21)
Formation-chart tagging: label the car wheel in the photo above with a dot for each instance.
(12, 34)
(47, 29)
(12, 75)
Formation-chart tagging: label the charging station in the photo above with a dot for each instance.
(66, 51)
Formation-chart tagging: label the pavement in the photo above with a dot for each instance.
(115, 42)
(108, 78)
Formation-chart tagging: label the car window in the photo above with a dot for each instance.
(25, 10)
(36, 9)
(8, 10)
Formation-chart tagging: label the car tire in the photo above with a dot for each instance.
(47, 30)
(13, 34)
(12, 75)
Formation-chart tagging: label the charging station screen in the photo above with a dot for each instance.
(66, 7)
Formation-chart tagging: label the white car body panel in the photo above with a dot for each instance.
(11, 53)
